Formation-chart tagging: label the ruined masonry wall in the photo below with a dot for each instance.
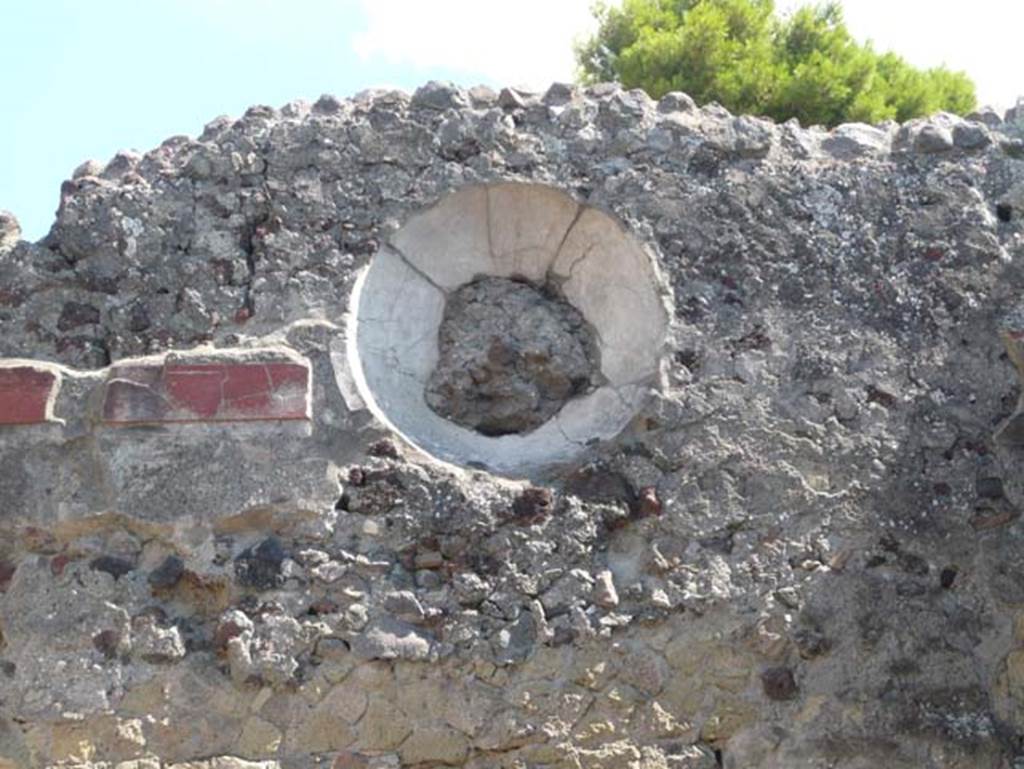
(778, 526)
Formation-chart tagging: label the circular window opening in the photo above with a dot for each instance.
(507, 327)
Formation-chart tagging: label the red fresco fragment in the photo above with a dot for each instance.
(24, 394)
(207, 392)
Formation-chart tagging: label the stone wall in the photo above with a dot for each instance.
(775, 524)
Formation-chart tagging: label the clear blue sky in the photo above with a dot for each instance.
(86, 79)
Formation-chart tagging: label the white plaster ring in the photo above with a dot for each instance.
(516, 230)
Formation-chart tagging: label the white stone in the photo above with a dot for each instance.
(450, 242)
(611, 280)
(528, 223)
(605, 594)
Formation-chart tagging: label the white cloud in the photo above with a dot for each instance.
(525, 42)
(529, 42)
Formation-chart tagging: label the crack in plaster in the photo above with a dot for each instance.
(406, 261)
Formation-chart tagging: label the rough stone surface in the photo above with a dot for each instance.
(510, 357)
(801, 547)
(10, 230)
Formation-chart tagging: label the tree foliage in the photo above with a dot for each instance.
(744, 56)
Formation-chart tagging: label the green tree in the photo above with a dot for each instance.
(742, 55)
